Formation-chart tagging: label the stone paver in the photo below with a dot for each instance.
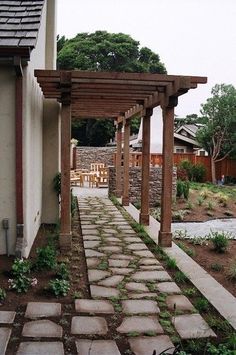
(168, 287)
(88, 325)
(111, 249)
(121, 270)
(136, 286)
(42, 309)
(118, 263)
(42, 329)
(97, 275)
(104, 292)
(137, 246)
(140, 324)
(143, 253)
(147, 261)
(121, 257)
(151, 267)
(97, 347)
(111, 281)
(7, 317)
(91, 244)
(92, 262)
(147, 345)
(179, 302)
(4, 338)
(93, 306)
(142, 295)
(192, 326)
(39, 348)
(140, 306)
(90, 253)
(151, 275)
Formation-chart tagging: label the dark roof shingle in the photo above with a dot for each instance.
(20, 22)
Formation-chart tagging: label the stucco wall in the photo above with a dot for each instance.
(7, 156)
(32, 141)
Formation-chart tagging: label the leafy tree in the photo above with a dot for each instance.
(103, 51)
(189, 119)
(218, 136)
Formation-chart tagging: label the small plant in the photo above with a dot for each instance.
(229, 213)
(205, 193)
(210, 206)
(62, 271)
(180, 277)
(20, 267)
(46, 258)
(2, 294)
(137, 204)
(22, 283)
(200, 201)
(231, 273)
(59, 287)
(189, 206)
(186, 187)
(201, 304)
(191, 291)
(186, 249)
(179, 188)
(171, 263)
(223, 199)
(76, 295)
(220, 241)
(57, 184)
(178, 215)
(216, 267)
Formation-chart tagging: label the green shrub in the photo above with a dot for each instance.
(59, 287)
(46, 258)
(171, 263)
(220, 241)
(182, 189)
(216, 267)
(62, 271)
(200, 201)
(201, 304)
(198, 172)
(187, 165)
(20, 283)
(186, 187)
(20, 267)
(231, 273)
(2, 294)
(180, 277)
(57, 184)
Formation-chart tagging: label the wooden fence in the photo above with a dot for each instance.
(225, 167)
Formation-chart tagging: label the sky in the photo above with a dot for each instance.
(192, 37)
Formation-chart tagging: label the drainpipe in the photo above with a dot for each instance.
(19, 155)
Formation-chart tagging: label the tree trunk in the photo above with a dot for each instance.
(213, 171)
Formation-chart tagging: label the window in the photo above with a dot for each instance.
(180, 150)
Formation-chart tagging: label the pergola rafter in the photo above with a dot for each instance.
(120, 96)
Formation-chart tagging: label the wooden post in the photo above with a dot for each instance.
(144, 215)
(118, 159)
(125, 198)
(165, 235)
(65, 235)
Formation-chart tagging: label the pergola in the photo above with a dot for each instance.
(120, 96)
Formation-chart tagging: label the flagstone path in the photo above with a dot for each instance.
(128, 287)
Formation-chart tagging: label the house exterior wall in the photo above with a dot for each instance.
(7, 157)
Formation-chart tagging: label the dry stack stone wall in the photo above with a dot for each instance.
(87, 155)
(135, 174)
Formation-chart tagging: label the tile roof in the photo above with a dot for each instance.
(20, 22)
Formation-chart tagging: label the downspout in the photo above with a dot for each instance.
(19, 156)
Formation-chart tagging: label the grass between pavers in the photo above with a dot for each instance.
(225, 343)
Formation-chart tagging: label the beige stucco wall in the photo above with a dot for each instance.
(7, 156)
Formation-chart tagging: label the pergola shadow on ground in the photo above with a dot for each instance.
(119, 96)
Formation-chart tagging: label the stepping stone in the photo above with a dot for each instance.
(148, 261)
(121, 257)
(142, 295)
(42, 329)
(96, 347)
(109, 230)
(42, 309)
(38, 348)
(105, 292)
(92, 262)
(147, 345)
(91, 237)
(143, 253)
(136, 286)
(111, 249)
(111, 281)
(121, 270)
(151, 267)
(118, 263)
(140, 324)
(88, 226)
(137, 246)
(97, 275)
(168, 287)
(89, 325)
(140, 306)
(89, 253)
(179, 302)
(132, 240)
(192, 326)
(151, 275)
(90, 232)
(93, 306)
(91, 244)
(7, 317)
(112, 240)
(4, 338)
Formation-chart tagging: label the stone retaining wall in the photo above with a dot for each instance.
(135, 184)
(87, 155)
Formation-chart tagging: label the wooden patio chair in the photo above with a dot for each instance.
(102, 179)
(76, 179)
(94, 167)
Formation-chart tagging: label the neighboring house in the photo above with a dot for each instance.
(29, 127)
(185, 140)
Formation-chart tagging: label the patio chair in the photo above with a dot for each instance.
(102, 179)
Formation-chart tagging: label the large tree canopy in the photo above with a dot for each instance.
(103, 51)
(218, 136)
